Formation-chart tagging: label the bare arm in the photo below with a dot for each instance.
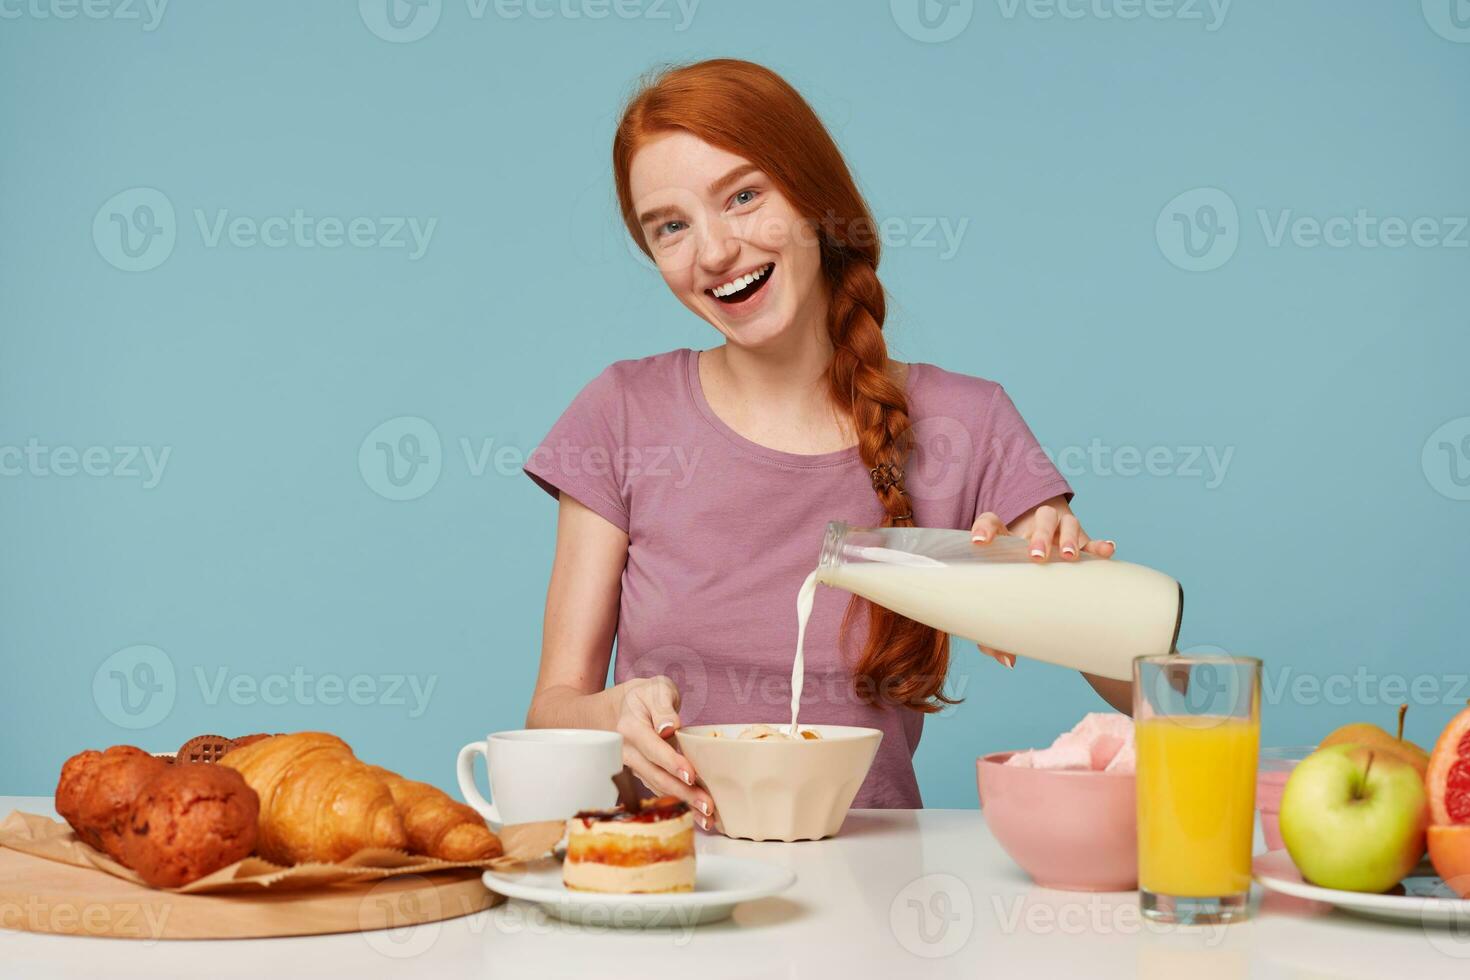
(576, 646)
(580, 623)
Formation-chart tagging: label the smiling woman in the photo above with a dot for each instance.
(729, 182)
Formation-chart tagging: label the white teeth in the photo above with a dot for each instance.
(735, 285)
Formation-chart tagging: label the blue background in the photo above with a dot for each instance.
(1332, 547)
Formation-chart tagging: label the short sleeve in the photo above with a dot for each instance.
(1016, 474)
(580, 455)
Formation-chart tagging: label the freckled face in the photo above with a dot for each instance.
(727, 242)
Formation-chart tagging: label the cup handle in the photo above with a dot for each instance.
(467, 787)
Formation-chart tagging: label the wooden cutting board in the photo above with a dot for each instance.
(37, 895)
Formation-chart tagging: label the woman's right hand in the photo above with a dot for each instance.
(647, 720)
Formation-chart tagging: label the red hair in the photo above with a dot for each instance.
(751, 111)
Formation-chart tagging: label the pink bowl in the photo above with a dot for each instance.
(1068, 829)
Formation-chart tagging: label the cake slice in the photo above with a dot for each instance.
(622, 851)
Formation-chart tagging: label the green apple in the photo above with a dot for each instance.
(1354, 818)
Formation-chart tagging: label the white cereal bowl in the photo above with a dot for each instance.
(781, 790)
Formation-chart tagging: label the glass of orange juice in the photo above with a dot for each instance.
(1197, 726)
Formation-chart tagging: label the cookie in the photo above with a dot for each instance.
(205, 748)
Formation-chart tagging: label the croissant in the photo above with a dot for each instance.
(318, 802)
(438, 825)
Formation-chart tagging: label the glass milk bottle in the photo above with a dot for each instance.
(1092, 614)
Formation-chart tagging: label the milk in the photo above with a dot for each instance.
(1093, 615)
(805, 596)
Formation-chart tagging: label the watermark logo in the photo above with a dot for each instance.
(933, 916)
(1450, 19)
(402, 458)
(1211, 13)
(148, 12)
(686, 669)
(400, 21)
(1450, 934)
(135, 687)
(399, 917)
(142, 921)
(37, 459)
(1446, 459)
(1199, 230)
(135, 230)
(932, 21)
(942, 451)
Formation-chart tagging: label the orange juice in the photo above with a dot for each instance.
(1196, 804)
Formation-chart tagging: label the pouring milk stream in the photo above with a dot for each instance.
(1093, 614)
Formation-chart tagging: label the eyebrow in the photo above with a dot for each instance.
(716, 187)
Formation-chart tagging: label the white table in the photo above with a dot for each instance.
(900, 893)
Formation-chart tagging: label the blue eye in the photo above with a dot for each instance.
(669, 228)
(744, 197)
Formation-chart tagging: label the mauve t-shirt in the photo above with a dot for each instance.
(722, 531)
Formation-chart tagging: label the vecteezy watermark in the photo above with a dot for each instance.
(149, 13)
(411, 691)
(404, 21)
(1210, 13)
(138, 686)
(400, 917)
(1450, 19)
(1362, 688)
(932, 21)
(403, 458)
(1445, 459)
(1208, 464)
(135, 687)
(400, 21)
(124, 920)
(933, 916)
(144, 463)
(136, 230)
(769, 692)
(514, 918)
(1200, 230)
(1448, 932)
(1092, 915)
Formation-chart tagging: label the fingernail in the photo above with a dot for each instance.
(684, 775)
(979, 537)
(1037, 553)
(704, 808)
(665, 728)
(1011, 662)
(1069, 551)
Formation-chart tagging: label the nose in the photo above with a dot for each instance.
(719, 248)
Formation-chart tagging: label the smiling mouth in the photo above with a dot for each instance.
(744, 288)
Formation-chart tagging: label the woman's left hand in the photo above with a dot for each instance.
(1052, 528)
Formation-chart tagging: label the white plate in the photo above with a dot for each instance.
(720, 883)
(1426, 900)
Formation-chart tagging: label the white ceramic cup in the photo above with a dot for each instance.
(542, 773)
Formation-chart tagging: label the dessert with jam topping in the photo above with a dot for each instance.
(639, 846)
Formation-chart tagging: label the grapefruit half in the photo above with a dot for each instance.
(1448, 776)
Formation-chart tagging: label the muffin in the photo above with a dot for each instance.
(97, 789)
(622, 851)
(190, 820)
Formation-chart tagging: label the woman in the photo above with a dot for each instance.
(695, 486)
